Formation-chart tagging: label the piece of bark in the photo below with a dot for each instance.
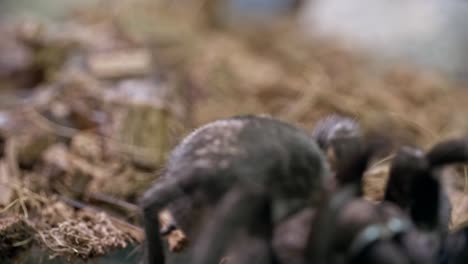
(120, 64)
(144, 134)
(177, 240)
(141, 127)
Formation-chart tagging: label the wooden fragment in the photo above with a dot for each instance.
(119, 64)
(145, 128)
(176, 239)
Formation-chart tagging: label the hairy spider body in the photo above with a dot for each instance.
(235, 167)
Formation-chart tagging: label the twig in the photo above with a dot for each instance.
(12, 161)
(10, 205)
(379, 162)
(103, 198)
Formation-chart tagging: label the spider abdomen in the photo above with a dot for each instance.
(256, 152)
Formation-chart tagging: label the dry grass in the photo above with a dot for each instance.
(85, 236)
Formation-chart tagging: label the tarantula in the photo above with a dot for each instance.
(245, 173)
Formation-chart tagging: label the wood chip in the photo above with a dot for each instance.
(118, 64)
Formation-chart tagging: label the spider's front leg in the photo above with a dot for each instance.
(152, 203)
(239, 209)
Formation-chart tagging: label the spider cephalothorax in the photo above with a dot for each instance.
(335, 135)
(245, 172)
(334, 127)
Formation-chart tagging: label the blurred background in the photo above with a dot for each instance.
(94, 93)
(429, 34)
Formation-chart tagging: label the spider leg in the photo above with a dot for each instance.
(356, 155)
(415, 187)
(252, 250)
(322, 232)
(152, 203)
(239, 209)
(407, 164)
(448, 152)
